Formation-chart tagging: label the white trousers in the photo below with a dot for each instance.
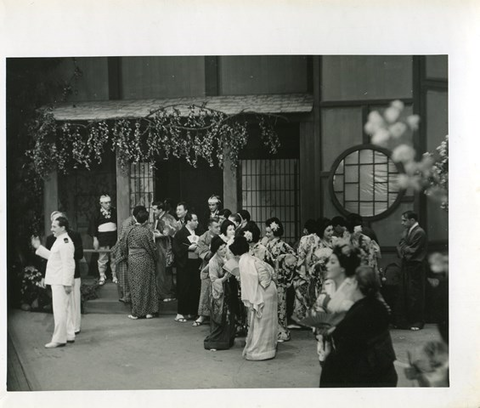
(62, 315)
(103, 258)
(77, 305)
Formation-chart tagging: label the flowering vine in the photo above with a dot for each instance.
(191, 132)
(394, 131)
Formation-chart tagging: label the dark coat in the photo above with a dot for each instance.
(413, 247)
(363, 353)
(108, 238)
(180, 247)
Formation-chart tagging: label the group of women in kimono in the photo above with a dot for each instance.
(337, 291)
(334, 273)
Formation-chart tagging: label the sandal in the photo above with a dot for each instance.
(132, 317)
(197, 323)
(101, 281)
(180, 319)
(114, 280)
(149, 316)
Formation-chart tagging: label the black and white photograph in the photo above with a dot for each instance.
(235, 221)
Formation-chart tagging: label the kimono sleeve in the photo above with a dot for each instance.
(265, 273)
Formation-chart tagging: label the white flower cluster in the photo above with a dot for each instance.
(390, 126)
(248, 236)
(274, 226)
(393, 131)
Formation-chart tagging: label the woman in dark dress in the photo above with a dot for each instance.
(224, 305)
(363, 353)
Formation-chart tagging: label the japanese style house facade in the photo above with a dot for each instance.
(325, 100)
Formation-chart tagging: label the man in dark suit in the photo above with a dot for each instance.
(412, 250)
(185, 242)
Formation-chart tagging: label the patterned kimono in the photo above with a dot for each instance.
(369, 250)
(259, 251)
(120, 260)
(203, 251)
(302, 282)
(223, 308)
(142, 255)
(319, 259)
(284, 268)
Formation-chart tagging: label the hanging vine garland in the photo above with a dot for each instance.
(191, 132)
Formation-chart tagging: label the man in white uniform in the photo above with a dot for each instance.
(60, 276)
(78, 245)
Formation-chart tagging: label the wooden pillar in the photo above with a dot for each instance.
(123, 194)
(230, 193)
(311, 190)
(50, 199)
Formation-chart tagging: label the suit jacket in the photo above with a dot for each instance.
(180, 247)
(413, 246)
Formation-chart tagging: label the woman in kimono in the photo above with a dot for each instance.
(259, 294)
(337, 288)
(120, 258)
(227, 231)
(368, 247)
(301, 281)
(363, 353)
(284, 268)
(319, 257)
(252, 234)
(142, 255)
(224, 300)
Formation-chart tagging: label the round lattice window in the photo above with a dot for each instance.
(363, 180)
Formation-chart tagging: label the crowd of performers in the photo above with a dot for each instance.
(238, 280)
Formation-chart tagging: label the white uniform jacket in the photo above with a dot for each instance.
(61, 264)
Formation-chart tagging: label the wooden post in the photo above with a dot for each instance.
(229, 183)
(311, 189)
(50, 199)
(123, 194)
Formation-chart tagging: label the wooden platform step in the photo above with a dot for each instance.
(108, 303)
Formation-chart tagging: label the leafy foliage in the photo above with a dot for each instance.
(31, 83)
(190, 132)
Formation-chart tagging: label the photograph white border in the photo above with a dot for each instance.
(370, 27)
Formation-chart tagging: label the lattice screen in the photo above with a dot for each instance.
(141, 185)
(270, 188)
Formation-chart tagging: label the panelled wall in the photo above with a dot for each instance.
(352, 87)
(162, 77)
(184, 76)
(345, 88)
(240, 75)
(435, 96)
(93, 84)
(136, 77)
